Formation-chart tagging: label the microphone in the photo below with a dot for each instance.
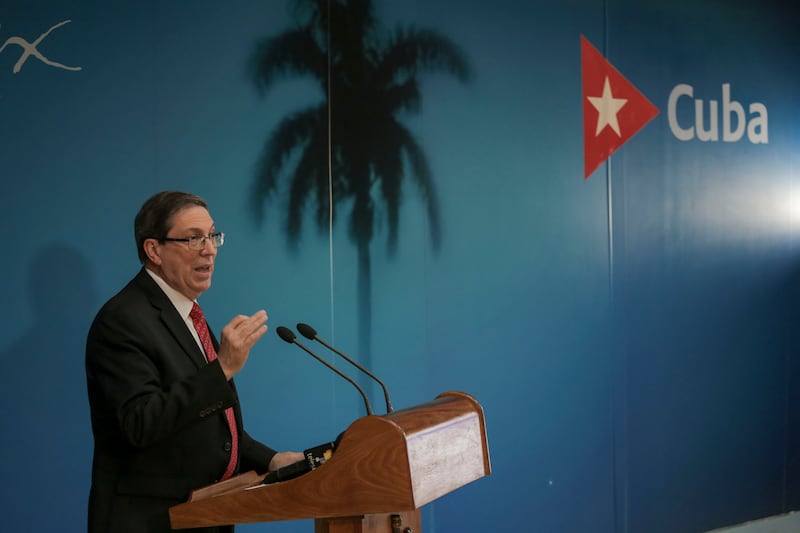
(310, 333)
(288, 335)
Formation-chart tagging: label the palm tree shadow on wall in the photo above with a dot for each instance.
(351, 149)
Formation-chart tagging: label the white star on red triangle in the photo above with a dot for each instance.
(607, 107)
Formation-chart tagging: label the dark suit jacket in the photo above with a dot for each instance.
(157, 413)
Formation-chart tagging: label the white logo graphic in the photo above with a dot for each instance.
(30, 49)
(607, 107)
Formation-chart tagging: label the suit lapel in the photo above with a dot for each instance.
(171, 319)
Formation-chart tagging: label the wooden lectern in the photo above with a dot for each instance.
(384, 469)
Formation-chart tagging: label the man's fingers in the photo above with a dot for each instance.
(254, 325)
(248, 323)
(238, 336)
(246, 329)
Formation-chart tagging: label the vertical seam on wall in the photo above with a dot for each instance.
(609, 192)
(330, 195)
(619, 398)
(330, 184)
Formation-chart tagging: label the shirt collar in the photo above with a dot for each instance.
(182, 303)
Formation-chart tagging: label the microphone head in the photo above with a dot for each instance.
(306, 331)
(285, 334)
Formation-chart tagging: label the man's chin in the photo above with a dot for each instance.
(202, 285)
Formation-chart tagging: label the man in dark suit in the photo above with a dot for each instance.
(160, 402)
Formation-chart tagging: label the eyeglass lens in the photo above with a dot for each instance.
(198, 242)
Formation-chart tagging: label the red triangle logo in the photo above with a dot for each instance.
(613, 109)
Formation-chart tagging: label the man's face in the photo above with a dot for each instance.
(187, 271)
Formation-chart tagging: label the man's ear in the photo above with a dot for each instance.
(152, 251)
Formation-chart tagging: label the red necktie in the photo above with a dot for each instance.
(201, 327)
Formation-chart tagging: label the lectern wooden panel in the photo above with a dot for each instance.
(394, 463)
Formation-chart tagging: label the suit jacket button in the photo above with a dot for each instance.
(227, 447)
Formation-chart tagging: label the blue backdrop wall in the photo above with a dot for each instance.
(631, 336)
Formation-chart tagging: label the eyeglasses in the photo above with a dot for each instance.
(198, 242)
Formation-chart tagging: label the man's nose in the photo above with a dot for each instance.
(208, 247)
